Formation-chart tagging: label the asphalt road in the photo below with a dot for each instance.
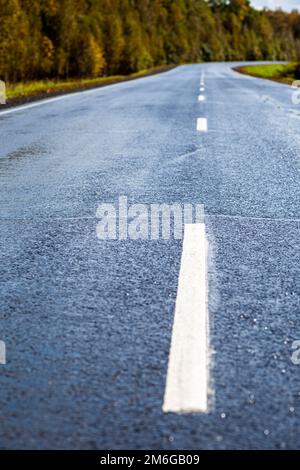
(88, 323)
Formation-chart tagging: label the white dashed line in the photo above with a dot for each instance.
(202, 124)
(201, 98)
(187, 378)
(2, 352)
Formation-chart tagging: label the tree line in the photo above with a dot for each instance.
(91, 38)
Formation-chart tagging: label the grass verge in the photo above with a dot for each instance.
(284, 73)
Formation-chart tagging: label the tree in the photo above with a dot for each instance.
(81, 38)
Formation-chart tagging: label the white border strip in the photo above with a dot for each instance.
(73, 94)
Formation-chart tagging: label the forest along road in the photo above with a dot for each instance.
(88, 323)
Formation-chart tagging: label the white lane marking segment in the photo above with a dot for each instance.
(187, 378)
(201, 98)
(202, 124)
(202, 88)
(2, 352)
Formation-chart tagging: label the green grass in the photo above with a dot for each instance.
(26, 90)
(285, 73)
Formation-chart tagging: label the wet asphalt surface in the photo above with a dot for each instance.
(87, 323)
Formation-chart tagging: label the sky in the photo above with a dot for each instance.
(273, 4)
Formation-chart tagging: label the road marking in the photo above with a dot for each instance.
(202, 88)
(42, 102)
(201, 98)
(15, 109)
(2, 352)
(202, 124)
(187, 378)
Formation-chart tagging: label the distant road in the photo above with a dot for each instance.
(88, 323)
